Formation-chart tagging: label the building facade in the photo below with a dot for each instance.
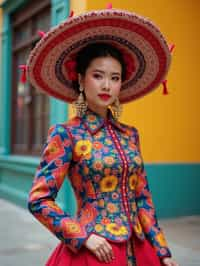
(167, 124)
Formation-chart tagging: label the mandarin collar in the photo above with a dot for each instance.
(94, 122)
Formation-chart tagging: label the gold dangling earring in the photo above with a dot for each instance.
(116, 108)
(80, 105)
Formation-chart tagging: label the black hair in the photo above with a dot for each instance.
(95, 50)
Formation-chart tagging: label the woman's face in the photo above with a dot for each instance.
(102, 82)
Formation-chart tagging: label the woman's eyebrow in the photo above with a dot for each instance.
(101, 71)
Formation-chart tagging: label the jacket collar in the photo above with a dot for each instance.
(94, 122)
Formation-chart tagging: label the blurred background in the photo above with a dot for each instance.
(168, 126)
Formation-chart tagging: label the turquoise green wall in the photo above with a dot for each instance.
(16, 172)
(175, 188)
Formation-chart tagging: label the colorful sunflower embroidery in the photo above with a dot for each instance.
(101, 203)
(132, 145)
(123, 230)
(86, 170)
(97, 145)
(112, 208)
(146, 220)
(108, 183)
(108, 142)
(138, 160)
(72, 228)
(109, 160)
(122, 141)
(118, 221)
(98, 228)
(161, 239)
(97, 165)
(116, 229)
(105, 221)
(129, 132)
(124, 217)
(133, 206)
(91, 118)
(138, 228)
(99, 134)
(133, 181)
(88, 214)
(54, 149)
(83, 147)
(93, 126)
(115, 196)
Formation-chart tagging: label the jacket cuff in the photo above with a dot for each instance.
(163, 252)
(75, 244)
(160, 245)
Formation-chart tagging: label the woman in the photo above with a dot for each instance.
(98, 61)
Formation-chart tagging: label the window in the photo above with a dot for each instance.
(30, 107)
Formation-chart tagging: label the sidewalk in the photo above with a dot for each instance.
(24, 242)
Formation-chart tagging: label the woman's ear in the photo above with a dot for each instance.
(80, 80)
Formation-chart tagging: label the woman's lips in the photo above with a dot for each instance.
(104, 96)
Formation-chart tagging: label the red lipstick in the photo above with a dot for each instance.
(104, 96)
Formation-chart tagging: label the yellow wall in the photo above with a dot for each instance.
(169, 125)
(78, 6)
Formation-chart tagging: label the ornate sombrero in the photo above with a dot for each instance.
(145, 51)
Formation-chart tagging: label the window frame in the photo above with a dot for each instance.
(25, 15)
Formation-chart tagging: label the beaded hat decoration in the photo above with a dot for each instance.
(51, 66)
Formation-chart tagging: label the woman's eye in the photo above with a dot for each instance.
(97, 76)
(116, 78)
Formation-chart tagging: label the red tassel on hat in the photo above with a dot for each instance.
(23, 73)
(71, 14)
(164, 83)
(171, 47)
(165, 90)
(41, 33)
(109, 6)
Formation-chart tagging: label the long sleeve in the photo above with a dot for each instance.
(147, 214)
(50, 174)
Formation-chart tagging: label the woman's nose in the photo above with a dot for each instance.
(106, 85)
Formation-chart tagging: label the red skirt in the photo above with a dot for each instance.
(143, 252)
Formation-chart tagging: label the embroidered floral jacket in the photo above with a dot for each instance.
(102, 159)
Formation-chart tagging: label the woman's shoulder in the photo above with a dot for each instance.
(65, 127)
(129, 129)
(73, 122)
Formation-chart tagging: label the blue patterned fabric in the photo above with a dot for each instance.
(102, 159)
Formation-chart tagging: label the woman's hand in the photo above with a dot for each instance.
(100, 247)
(169, 262)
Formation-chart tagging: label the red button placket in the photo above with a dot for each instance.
(124, 171)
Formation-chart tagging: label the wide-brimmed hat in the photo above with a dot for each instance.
(51, 64)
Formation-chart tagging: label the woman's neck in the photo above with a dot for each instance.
(99, 110)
